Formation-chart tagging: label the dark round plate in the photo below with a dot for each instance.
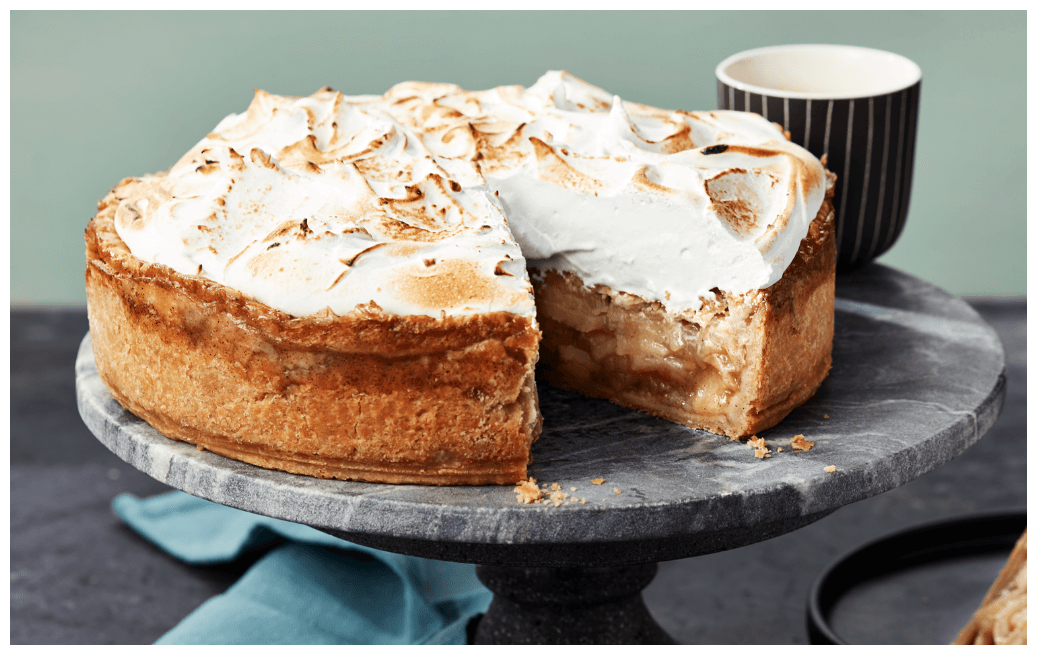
(916, 586)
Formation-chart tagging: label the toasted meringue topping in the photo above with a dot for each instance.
(662, 204)
(328, 202)
(337, 201)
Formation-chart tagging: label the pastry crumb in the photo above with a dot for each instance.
(558, 496)
(830, 469)
(760, 445)
(780, 449)
(528, 492)
(572, 488)
(201, 447)
(616, 490)
(826, 415)
(799, 442)
(598, 481)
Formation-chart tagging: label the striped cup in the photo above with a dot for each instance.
(859, 107)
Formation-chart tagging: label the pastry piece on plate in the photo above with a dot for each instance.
(1001, 617)
(310, 289)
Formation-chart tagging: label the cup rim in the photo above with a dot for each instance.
(721, 72)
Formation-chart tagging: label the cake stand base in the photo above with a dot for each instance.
(571, 605)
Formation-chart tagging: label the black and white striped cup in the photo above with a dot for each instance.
(859, 107)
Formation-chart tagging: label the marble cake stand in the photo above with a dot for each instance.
(917, 378)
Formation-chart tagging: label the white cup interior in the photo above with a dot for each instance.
(818, 71)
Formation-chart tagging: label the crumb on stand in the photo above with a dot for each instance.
(528, 492)
(760, 446)
(799, 442)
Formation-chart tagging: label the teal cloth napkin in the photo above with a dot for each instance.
(310, 587)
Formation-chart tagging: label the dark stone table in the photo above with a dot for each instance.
(776, 570)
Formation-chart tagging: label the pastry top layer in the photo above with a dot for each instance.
(334, 201)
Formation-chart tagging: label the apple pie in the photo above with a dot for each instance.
(360, 287)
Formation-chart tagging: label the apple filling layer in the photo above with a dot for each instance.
(736, 366)
(617, 346)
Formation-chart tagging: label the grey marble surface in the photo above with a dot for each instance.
(80, 576)
(917, 378)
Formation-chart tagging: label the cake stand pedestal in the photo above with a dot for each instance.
(917, 377)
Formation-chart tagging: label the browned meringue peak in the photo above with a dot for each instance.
(136, 201)
(554, 169)
(565, 91)
(736, 198)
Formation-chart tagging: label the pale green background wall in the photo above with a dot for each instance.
(96, 97)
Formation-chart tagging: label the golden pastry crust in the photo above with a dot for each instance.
(736, 366)
(364, 396)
